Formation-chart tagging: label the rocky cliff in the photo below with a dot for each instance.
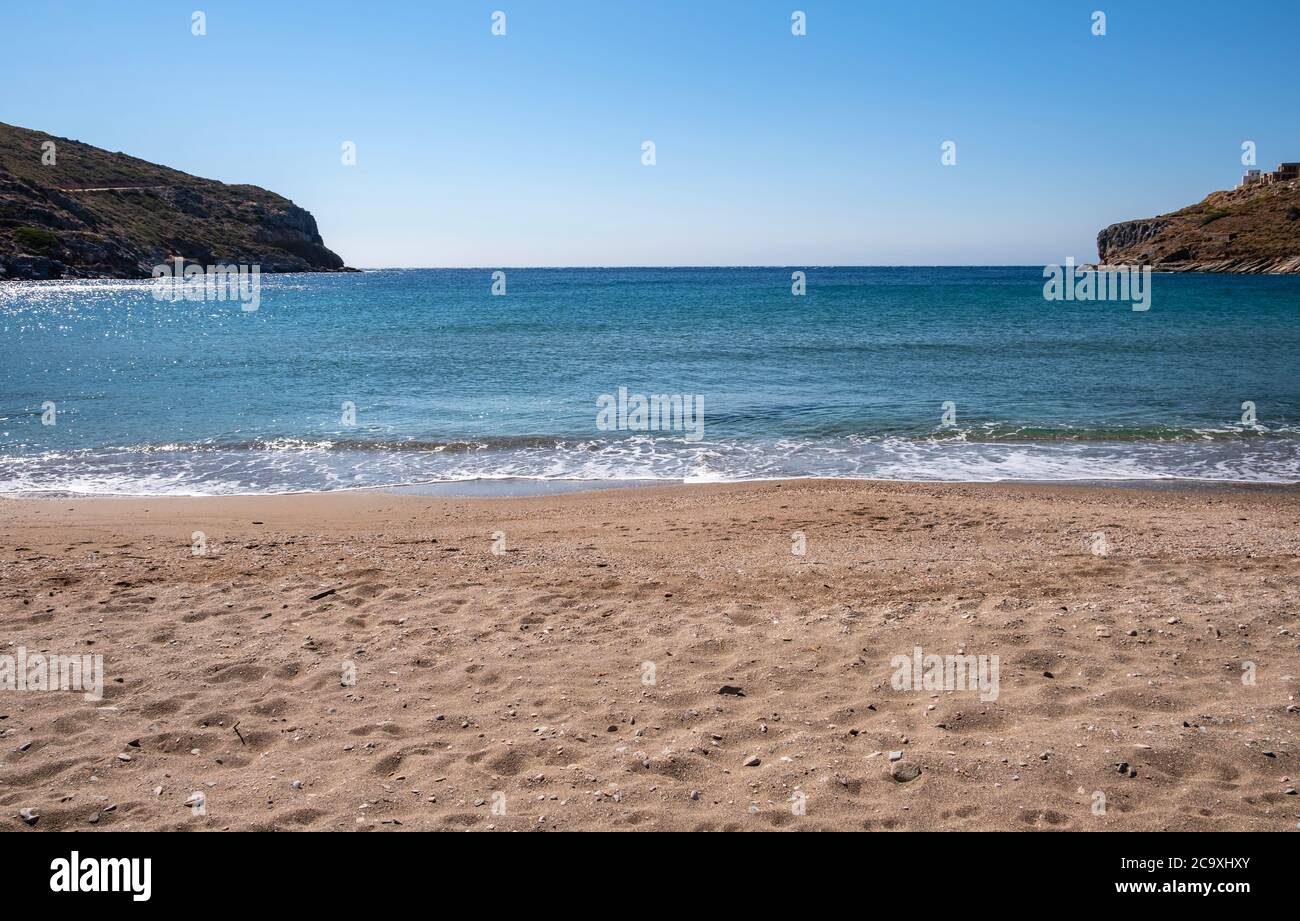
(71, 210)
(1253, 230)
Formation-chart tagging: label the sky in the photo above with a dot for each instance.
(526, 149)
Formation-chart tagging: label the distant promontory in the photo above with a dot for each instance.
(70, 210)
(1252, 229)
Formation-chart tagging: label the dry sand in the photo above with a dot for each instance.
(572, 682)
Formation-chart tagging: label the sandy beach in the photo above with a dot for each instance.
(658, 658)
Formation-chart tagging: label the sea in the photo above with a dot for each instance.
(532, 379)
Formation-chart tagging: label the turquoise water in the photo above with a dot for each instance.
(451, 383)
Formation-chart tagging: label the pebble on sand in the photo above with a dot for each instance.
(903, 771)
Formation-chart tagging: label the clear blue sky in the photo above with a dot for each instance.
(476, 150)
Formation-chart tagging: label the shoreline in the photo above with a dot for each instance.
(521, 487)
(368, 660)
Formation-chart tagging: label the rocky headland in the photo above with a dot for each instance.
(70, 210)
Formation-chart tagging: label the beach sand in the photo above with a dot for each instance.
(573, 680)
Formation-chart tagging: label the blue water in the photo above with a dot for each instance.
(451, 383)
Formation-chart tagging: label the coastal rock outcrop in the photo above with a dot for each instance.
(1253, 229)
(70, 210)
(1124, 236)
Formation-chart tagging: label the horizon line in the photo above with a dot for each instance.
(792, 265)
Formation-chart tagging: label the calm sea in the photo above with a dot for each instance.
(424, 376)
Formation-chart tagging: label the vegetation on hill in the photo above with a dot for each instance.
(91, 213)
(1255, 229)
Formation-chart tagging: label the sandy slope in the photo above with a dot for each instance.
(520, 680)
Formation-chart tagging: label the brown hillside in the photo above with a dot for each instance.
(98, 214)
(1255, 229)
